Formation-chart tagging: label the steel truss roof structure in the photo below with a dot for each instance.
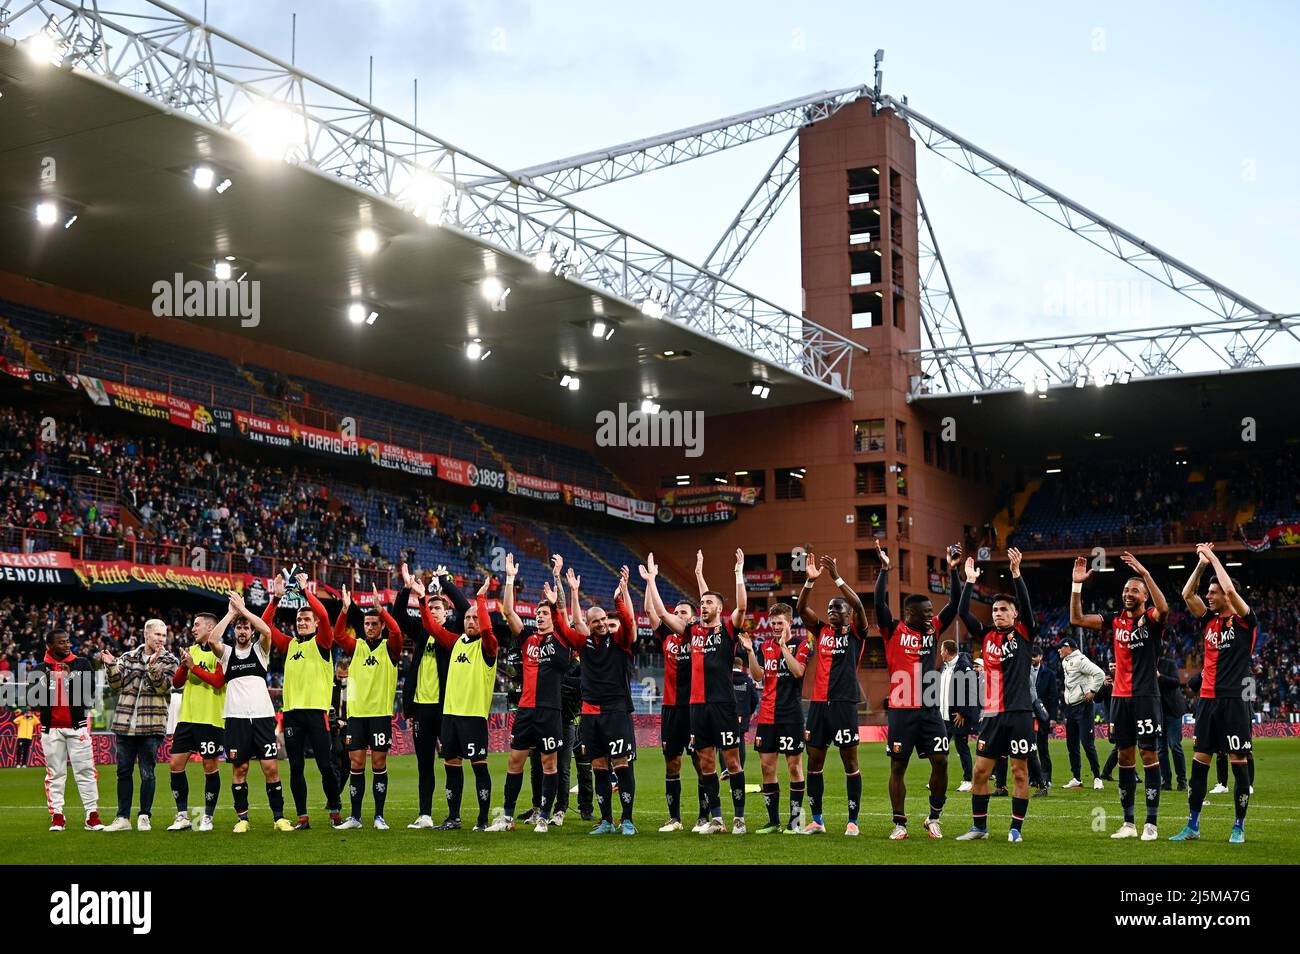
(200, 71)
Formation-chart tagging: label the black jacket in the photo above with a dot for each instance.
(1172, 701)
(1048, 691)
(414, 630)
(80, 686)
(747, 696)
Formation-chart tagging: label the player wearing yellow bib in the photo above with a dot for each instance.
(371, 689)
(308, 692)
(466, 701)
(200, 724)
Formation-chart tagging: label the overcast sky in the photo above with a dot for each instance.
(1176, 120)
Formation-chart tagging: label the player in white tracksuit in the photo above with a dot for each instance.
(68, 690)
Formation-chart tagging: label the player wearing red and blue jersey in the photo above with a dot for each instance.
(1008, 726)
(1223, 716)
(911, 652)
(715, 722)
(837, 646)
(545, 653)
(1135, 710)
(779, 667)
(675, 708)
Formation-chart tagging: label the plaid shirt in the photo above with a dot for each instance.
(144, 691)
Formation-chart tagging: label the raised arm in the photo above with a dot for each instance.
(324, 631)
(1239, 606)
(390, 624)
(742, 594)
(579, 617)
(1191, 597)
(651, 610)
(670, 620)
(751, 657)
(801, 608)
(699, 573)
(949, 611)
(485, 631)
(626, 634)
(449, 589)
(570, 634)
(1026, 608)
(1078, 576)
(1158, 602)
(557, 564)
(969, 619)
(347, 642)
(259, 625)
(846, 591)
(796, 660)
(278, 639)
(880, 598)
(508, 599)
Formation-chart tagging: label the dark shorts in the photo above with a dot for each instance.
(715, 725)
(1009, 734)
(464, 737)
(369, 732)
(1135, 720)
(249, 739)
(608, 734)
(785, 738)
(916, 730)
(675, 730)
(541, 729)
(425, 720)
(832, 723)
(197, 737)
(1222, 725)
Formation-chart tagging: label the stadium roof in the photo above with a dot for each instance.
(125, 167)
(1195, 412)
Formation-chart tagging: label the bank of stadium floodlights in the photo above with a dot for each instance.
(199, 70)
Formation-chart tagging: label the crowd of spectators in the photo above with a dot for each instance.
(185, 496)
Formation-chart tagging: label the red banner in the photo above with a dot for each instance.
(584, 499)
(158, 405)
(526, 485)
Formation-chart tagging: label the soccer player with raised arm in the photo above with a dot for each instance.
(715, 723)
(308, 684)
(1135, 711)
(675, 707)
(915, 724)
(200, 724)
(1223, 717)
(372, 687)
(467, 700)
(249, 712)
(778, 668)
(1008, 726)
(545, 657)
(837, 646)
(607, 732)
(425, 676)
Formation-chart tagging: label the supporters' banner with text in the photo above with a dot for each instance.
(526, 485)
(629, 508)
(158, 405)
(51, 568)
(686, 506)
(396, 457)
(1287, 535)
(120, 576)
(23, 373)
(763, 581)
(290, 434)
(584, 499)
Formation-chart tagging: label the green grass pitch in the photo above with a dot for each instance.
(1064, 828)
